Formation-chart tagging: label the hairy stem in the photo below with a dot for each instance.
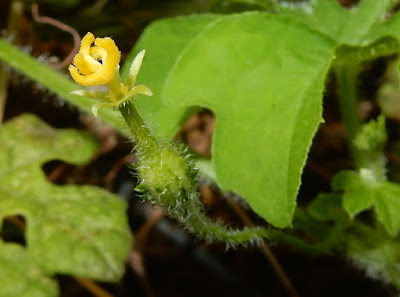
(15, 12)
(167, 177)
(141, 133)
(347, 88)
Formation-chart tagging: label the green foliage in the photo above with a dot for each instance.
(379, 259)
(362, 190)
(388, 96)
(231, 67)
(167, 177)
(328, 208)
(263, 76)
(259, 120)
(235, 100)
(369, 187)
(359, 188)
(22, 277)
(77, 230)
(372, 137)
(359, 26)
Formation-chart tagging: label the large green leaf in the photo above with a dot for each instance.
(240, 67)
(78, 230)
(290, 52)
(165, 41)
(20, 276)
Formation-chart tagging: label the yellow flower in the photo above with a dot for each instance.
(99, 65)
(95, 65)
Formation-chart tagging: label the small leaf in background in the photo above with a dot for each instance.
(379, 259)
(361, 192)
(239, 67)
(372, 136)
(388, 206)
(328, 207)
(388, 95)
(356, 27)
(358, 191)
(77, 230)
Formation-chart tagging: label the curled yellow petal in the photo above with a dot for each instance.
(85, 65)
(95, 65)
(86, 43)
(97, 52)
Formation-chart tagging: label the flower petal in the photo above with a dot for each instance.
(86, 42)
(87, 71)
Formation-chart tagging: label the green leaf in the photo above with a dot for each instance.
(362, 191)
(372, 136)
(345, 26)
(164, 41)
(78, 230)
(388, 27)
(359, 191)
(20, 276)
(290, 52)
(388, 206)
(380, 259)
(388, 95)
(239, 67)
(328, 207)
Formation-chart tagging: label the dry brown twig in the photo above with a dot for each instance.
(136, 260)
(265, 249)
(93, 288)
(64, 27)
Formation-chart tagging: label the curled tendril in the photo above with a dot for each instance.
(87, 69)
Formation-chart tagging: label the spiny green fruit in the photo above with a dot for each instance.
(166, 176)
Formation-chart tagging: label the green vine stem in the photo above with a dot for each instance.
(366, 141)
(167, 177)
(346, 76)
(15, 12)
